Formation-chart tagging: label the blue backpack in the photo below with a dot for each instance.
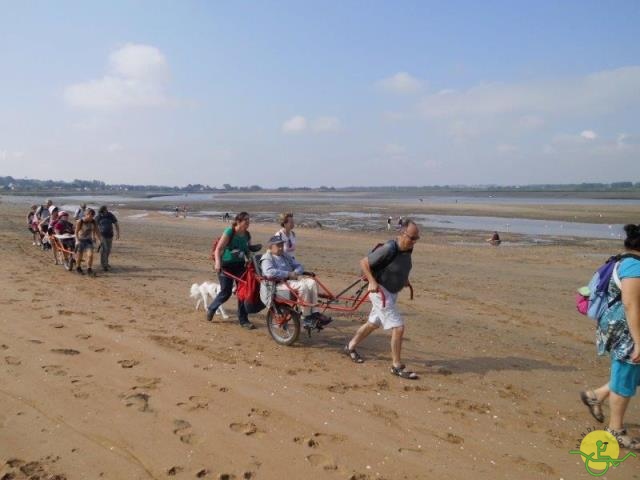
(597, 292)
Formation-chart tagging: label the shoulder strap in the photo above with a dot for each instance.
(394, 251)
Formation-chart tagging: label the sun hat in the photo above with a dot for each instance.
(63, 214)
(275, 240)
(52, 209)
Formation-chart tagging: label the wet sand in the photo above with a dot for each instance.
(118, 377)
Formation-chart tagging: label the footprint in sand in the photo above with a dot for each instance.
(247, 429)
(66, 313)
(57, 325)
(258, 412)
(4, 347)
(56, 370)
(182, 428)
(321, 461)
(309, 442)
(37, 342)
(97, 349)
(174, 470)
(65, 351)
(128, 363)
(138, 400)
(46, 317)
(116, 327)
(195, 403)
(83, 336)
(12, 360)
(148, 383)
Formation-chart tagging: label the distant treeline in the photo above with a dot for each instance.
(14, 185)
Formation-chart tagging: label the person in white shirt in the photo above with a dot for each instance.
(287, 233)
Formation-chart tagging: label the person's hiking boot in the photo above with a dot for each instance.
(210, 315)
(79, 270)
(248, 325)
(90, 272)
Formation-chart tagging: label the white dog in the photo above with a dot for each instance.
(205, 290)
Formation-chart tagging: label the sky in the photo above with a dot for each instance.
(321, 93)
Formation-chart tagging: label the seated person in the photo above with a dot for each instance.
(494, 240)
(63, 229)
(283, 268)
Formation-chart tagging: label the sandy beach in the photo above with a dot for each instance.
(118, 377)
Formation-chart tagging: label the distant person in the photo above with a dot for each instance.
(87, 235)
(230, 255)
(287, 233)
(107, 222)
(32, 224)
(389, 223)
(226, 217)
(80, 212)
(400, 222)
(494, 240)
(618, 334)
(387, 269)
(42, 211)
(63, 227)
(177, 211)
(184, 211)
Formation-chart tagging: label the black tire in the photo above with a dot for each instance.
(283, 323)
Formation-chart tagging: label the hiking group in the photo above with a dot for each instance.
(386, 268)
(73, 243)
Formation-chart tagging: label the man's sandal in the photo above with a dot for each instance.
(402, 373)
(625, 440)
(593, 404)
(353, 354)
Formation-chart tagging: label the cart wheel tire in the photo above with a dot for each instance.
(283, 323)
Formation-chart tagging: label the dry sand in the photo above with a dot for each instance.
(117, 377)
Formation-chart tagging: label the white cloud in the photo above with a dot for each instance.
(295, 124)
(394, 150)
(136, 77)
(598, 92)
(402, 83)
(588, 134)
(506, 148)
(326, 124)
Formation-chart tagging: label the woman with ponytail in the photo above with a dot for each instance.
(618, 333)
(231, 254)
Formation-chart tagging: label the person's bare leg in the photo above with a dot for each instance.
(602, 393)
(90, 259)
(79, 255)
(396, 345)
(618, 406)
(363, 332)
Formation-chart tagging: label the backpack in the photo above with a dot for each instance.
(593, 300)
(248, 291)
(387, 261)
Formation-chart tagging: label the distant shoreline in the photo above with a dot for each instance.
(408, 193)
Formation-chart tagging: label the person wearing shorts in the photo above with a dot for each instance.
(87, 234)
(618, 334)
(387, 269)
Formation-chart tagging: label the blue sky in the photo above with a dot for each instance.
(321, 93)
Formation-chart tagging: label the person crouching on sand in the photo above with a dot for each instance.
(387, 269)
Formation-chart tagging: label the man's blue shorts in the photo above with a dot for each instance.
(625, 378)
